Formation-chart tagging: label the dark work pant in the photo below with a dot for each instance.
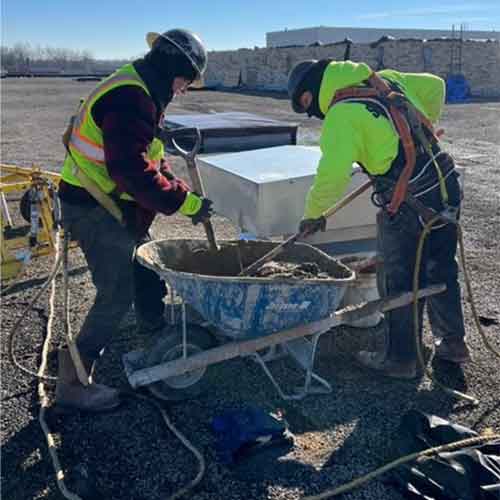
(119, 279)
(398, 238)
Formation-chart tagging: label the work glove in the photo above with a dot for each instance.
(198, 208)
(204, 213)
(311, 226)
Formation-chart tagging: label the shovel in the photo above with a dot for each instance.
(290, 241)
(190, 159)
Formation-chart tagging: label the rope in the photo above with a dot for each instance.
(15, 329)
(184, 440)
(81, 372)
(468, 287)
(420, 455)
(42, 394)
(426, 230)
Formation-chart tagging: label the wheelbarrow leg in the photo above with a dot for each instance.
(258, 358)
(303, 351)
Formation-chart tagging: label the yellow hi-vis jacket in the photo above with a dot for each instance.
(86, 142)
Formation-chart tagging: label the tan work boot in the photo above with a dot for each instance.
(454, 350)
(72, 394)
(378, 362)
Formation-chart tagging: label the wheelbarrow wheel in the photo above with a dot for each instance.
(169, 348)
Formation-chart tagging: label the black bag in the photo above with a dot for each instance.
(471, 473)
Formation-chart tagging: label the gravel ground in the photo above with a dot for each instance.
(337, 437)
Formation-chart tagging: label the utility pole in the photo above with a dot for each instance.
(460, 46)
(457, 39)
(452, 51)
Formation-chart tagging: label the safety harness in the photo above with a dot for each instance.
(412, 127)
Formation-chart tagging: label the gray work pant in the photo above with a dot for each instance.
(398, 238)
(120, 280)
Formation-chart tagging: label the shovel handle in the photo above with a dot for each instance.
(270, 255)
(194, 174)
(347, 199)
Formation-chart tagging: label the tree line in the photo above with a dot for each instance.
(22, 57)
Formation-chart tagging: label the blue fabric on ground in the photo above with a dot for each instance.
(237, 430)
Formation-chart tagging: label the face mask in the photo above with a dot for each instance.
(159, 84)
(312, 82)
(313, 109)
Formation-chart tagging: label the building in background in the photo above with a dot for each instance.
(325, 34)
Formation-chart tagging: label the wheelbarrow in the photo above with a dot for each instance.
(248, 316)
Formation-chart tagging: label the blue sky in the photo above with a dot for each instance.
(116, 29)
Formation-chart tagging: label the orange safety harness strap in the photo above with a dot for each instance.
(398, 107)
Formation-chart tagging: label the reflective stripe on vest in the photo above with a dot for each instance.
(92, 151)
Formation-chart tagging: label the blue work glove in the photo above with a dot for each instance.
(198, 208)
(311, 226)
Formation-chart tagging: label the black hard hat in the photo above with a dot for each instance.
(295, 79)
(188, 43)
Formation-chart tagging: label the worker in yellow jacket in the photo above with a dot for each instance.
(362, 130)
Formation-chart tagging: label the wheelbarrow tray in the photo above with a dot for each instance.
(246, 307)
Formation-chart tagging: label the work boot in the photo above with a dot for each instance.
(72, 394)
(379, 362)
(454, 350)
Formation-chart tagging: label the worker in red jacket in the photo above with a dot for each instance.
(114, 181)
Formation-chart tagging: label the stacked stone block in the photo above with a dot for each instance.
(268, 68)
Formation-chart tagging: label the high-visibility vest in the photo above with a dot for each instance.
(86, 142)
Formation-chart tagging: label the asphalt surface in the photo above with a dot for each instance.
(130, 453)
